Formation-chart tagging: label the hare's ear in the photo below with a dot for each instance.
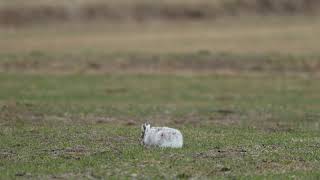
(143, 127)
(147, 126)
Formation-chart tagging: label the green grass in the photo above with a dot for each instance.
(88, 126)
(104, 150)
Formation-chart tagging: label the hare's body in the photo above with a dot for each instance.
(161, 136)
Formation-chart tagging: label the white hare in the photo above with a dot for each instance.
(161, 136)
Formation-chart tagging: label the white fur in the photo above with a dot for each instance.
(161, 136)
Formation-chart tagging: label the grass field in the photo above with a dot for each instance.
(88, 126)
(244, 92)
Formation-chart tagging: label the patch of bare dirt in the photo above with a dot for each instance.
(5, 154)
(12, 112)
(75, 152)
(292, 165)
(66, 176)
(222, 153)
(226, 117)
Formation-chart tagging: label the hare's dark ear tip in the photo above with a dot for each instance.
(144, 126)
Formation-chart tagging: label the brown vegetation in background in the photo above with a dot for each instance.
(192, 63)
(140, 10)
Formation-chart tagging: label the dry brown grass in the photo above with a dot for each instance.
(14, 13)
(286, 44)
(295, 35)
(185, 64)
(286, 35)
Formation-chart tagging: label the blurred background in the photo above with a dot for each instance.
(122, 28)
(18, 12)
(240, 26)
(263, 55)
